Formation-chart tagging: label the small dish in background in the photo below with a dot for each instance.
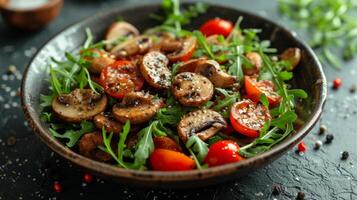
(30, 15)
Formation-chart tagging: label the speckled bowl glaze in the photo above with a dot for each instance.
(308, 76)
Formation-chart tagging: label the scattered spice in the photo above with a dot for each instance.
(329, 138)
(12, 69)
(337, 83)
(345, 155)
(11, 141)
(353, 88)
(300, 196)
(57, 187)
(88, 178)
(276, 189)
(318, 145)
(302, 148)
(323, 129)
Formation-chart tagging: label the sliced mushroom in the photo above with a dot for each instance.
(137, 107)
(99, 60)
(211, 70)
(203, 123)
(133, 46)
(79, 105)
(292, 55)
(192, 89)
(191, 65)
(155, 71)
(118, 30)
(108, 122)
(256, 64)
(185, 51)
(88, 146)
(164, 142)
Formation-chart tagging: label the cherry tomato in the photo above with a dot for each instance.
(217, 26)
(57, 187)
(120, 78)
(337, 83)
(222, 152)
(248, 118)
(228, 130)
(167, 160)
(302, 147)
(255, 89)
(88, 178)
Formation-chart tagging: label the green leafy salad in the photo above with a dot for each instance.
(173, 99)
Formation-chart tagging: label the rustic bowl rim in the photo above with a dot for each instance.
(160, 176)
(45, 6)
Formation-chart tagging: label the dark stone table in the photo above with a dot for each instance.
(28, 168)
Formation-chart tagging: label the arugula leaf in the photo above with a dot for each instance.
(195, 144)
(74, 135)
(145, 147)
(107, 141)
(264, 100)
(229, 99)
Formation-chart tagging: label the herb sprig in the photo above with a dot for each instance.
(331, 24)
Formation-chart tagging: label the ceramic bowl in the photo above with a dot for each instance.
(308, 76)
(30, 18)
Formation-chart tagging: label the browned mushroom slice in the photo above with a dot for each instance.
(88, 146)
(292, 55)
(107, 121)
(185, 51)
(137, 107)
(211, 70)
(191, 65)
(118, 30)
(79, 105)
(99, 60)
(155, 71)
(203, 123)
(164, 142)
(256, 64)
(192, 89)
(133, 46)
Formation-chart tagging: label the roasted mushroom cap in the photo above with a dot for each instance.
(133, 46)
(137, 107)
(192, 89)
(292, 55)
(211, 70)
(118, 30)
(79, 105)
(99, 60)
(155, 71)
(203, 123)
(185, 51)
(108, 122)
(164, 142)
(88, 146)
(191, 65)
(256, 64)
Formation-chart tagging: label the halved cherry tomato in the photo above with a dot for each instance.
(120, 78)
(217, 26)
(256, 88)
(223, 152)
(167, 160)
(248, 118)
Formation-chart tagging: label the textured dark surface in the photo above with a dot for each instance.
(28, 168)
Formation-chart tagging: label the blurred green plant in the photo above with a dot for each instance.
(331, 24)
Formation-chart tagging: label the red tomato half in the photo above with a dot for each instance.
(120, 78)
(223, 152)
(248, 118)
(168, 160)
(217, 26)
(256, 88)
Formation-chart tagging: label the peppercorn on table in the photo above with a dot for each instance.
(320, 168)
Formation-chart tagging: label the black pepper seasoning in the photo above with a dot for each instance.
(345, 155)
(276, 189)
(329, 138)
(353, 88)
(300, 196)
